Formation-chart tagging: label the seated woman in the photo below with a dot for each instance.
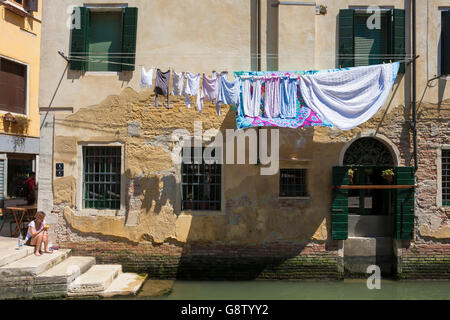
(37, 233)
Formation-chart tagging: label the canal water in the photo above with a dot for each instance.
(351, 289)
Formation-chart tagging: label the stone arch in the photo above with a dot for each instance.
(391, 147)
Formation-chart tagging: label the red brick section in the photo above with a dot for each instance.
(278, 260)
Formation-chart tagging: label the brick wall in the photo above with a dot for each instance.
(426, 261)
(216, 262)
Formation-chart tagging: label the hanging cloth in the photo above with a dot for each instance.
(251, 103)
(272, 103)
(210, 90)
(351, 97)
(288, 98)
(178, 80)
(147, 78)
(229, 93)
(162, 86)
(192, 88)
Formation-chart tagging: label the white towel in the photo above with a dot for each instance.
(146, 78)
(192, 88)
(351, 97)
(178, 83)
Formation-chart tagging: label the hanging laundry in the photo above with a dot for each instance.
(272, 105)
(210, 90)
(146, 78)
(192, 88)
(304, 116)
(288, 97)
(178, 80)
(229, 93)
(162, 86)
(251, 102)
(351, 97)
(223, 74)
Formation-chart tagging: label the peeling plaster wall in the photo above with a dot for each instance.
(108, 108)
(252, 212)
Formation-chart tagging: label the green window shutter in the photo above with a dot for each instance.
(404, 220)
(398, 36)
(346, 38)
(130, 18)
(78, 45)
(445, 42)
(339, 205)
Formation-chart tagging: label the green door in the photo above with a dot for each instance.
(105, 41)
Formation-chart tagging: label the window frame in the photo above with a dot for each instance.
(92, 7)
(18, 4)
(191, 212)
(305, 197)
(79, 205)
(439, 167)
(439, 32)
(27, 88)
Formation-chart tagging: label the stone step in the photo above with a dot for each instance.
(66, 271)
(33, 265)
(125, 284)
(97, 279)
(11, 254)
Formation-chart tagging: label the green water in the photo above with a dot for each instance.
(288, 290)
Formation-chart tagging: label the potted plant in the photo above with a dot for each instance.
(388, 174)
(9, 117)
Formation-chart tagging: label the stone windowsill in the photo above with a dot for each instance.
(202, 213)
(100, 213)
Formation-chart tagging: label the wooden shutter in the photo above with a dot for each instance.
(398, 36)
(130, 18)
(339, 204)
(31, 5)
(346, 38)
(445, 42)
(404, 220)
(78, 46)
(13, 86)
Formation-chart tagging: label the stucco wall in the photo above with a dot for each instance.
(20, 40)
(252, 213)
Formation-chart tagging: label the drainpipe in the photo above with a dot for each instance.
(414, 107)
(258, 59)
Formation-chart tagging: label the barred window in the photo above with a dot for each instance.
(446, 177)
(293, 183)
(102, 170)
(201, 183)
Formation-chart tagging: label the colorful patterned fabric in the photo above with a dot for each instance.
(304, 117)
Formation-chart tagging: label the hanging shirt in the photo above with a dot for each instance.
(210, 90)
(272, 103)
(146, 78)
(229, 93)
(178, 83)
(251, 103)
(351, 97)
(162, 85)
(192, 88)
(288, 98)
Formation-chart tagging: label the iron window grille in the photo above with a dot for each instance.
(102, 171)
(201, 183)
(446, 177)
(293, 183)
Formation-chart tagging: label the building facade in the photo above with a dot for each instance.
(20, 22)
(114, 190)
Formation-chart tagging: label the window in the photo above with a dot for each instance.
(19, 2)
(293, 183)
(105, 41)
(446, 177)
(445, 42)
(361, 46)
(102, 174)
(13, 86)
(201, 183)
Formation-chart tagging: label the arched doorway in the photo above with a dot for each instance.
(371, 211)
